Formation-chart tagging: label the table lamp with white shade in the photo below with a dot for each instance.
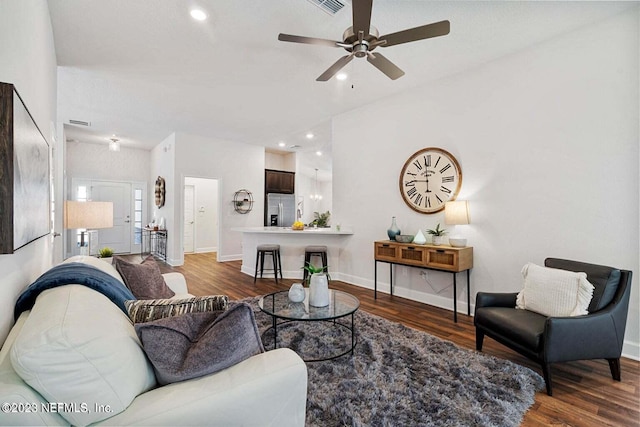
(87, 215)
(457, 213)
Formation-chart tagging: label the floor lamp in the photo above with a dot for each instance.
(87, 215)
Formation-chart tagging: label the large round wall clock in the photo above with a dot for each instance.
(430, 178)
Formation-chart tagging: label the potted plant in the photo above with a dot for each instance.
(318, 285)
(438, 234)
(321, 219)
(105, 252)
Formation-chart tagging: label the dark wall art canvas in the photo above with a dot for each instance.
(24, 174)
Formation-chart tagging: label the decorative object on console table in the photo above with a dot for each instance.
(87, 215)
(404, 238)
(457, 213)
(437, 235)
(449, 259)
(24, 168)
(419, 238)
(393, 231)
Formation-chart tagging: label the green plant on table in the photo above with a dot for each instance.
(312, 269)
(321, 219)
(106, 252)
(437, 231)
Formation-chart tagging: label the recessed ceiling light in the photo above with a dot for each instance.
(281, 144)
(341, 76)
(309, 135)
(318, 153)
(198, 14)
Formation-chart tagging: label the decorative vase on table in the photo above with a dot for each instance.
(419, 238)
(296, 292)
(319, 290)
(437, 240)
(393, 231)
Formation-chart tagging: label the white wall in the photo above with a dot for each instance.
(206, 198)
(95, 161)
(280, 161)
(27, 59)
(235, 166)
(163, 160)
(547, 139)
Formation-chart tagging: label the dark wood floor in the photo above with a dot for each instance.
(584, 393)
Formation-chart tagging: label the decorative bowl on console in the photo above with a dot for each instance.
(404, 238)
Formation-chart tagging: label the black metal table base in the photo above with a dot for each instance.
(275, 324)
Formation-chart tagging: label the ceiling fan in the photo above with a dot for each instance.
(362, 38)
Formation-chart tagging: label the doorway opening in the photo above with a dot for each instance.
(129, 214)
(201, 215)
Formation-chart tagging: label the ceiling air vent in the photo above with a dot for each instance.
(330, 6)
(79, 122)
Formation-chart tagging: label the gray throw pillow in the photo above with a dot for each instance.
(144, 280)
(197, 344)
(144, 310)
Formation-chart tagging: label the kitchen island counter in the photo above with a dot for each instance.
(292, 244)
(288, 230)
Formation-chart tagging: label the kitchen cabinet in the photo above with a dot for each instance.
(276, 181)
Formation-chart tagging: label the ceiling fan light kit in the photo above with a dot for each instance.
(362, 38)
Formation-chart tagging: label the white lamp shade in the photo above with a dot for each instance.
(90, 215)
(456, 212)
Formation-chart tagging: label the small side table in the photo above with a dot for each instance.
(155, 241)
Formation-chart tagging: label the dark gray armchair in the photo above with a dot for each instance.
(546, 340)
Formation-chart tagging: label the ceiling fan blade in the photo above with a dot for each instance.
(361, 16)
(419, 33)
(384, 65)
(337, 66)
(308, 40)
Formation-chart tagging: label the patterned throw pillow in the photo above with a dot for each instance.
(141, 311)
(144, 280)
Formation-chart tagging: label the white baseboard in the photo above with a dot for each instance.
(206, 250)
(630, 349)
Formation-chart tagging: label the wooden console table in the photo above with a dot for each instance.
(430, 257)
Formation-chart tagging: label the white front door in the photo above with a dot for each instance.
(118, 237)
(189, 218)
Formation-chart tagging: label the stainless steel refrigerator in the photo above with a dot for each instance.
(280, 210)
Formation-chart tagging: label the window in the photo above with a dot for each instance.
(137, 216)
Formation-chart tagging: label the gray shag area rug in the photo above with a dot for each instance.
(399, 376)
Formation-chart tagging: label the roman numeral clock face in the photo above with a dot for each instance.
(430, 178)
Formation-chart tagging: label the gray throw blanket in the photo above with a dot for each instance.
(74, 273)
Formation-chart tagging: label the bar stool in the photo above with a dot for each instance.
(274, 251)
(310, 251)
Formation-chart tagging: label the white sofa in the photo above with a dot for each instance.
(82, 353)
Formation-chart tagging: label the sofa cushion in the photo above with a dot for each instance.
(197, 344)
(78, 348)
(147, 310)
(519, 326)
(144, 280)
(554, 292)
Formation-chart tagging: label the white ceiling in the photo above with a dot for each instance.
(144, 69)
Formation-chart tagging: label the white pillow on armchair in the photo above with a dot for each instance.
(554, 292)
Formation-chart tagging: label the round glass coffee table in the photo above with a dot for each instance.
(283, 311)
